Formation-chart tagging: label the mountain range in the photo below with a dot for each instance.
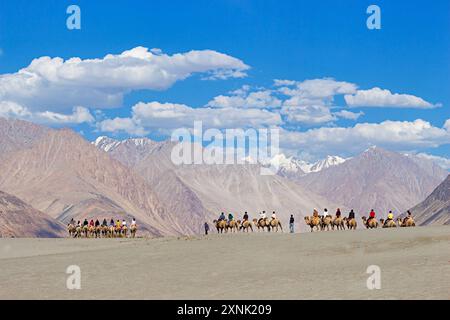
(435, 209)
(64, 176)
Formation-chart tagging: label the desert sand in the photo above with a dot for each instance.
(414, 264)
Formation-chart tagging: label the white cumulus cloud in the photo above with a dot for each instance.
(55, 84)
(377, 97)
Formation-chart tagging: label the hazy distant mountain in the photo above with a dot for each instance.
(17, 134)
(18, 219)
(129, 151)
(377, 179)
(435, 209)
(65, 176)
(227, 188)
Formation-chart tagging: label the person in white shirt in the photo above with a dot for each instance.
(262, 216)
(274, 216)
(124, 223)
(133, 222)
(325, 213)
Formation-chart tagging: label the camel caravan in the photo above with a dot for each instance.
(324, 222)
(96, 229)
(327, 222)
(262, 224)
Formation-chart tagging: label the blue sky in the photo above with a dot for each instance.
(287, 40)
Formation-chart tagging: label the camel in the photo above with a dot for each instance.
(110, 231)
(232, 226)
(245, 225)
(72, 230)
(406, 222)
(338, 222)
(371, 223)
(86, 231)
(388, 223)
(117, 231)
(221, 225)
(124, 231)
(133, 230)
(261, 224)
(351, 224)
(313, 222)
(91, 232)
(325, 223)
(98, 231)
(275, 223)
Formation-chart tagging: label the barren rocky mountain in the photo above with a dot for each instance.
(18, 219)
(17, 134)
(435, 209)
(378, 179)
(65, 176)
(129, 151)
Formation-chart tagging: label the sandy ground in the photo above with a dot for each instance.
(414, 264)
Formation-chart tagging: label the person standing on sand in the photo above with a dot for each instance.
(206, 228)
(291, 224)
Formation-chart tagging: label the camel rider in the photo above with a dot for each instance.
(222, 216)
(325, 213)
(409, 216)
(79, 223)
(118, 224)
(91, 223)
(230, 217)
(133, 222)
(315, 213)
(390, 217)
(124, 223)
(371, 215)
(351, 215)
(262, 216)
(338, 213)
(245, 216)
(85, 223)
(274, 216)
(97, 223)
(72, 222)
(104, 223)
(111, 223)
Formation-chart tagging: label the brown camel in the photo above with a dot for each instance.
(72, 230)
(220, 225)
(245, 225)
(406, 222)
(338, 222)
(313, 222)
(98, 231)
(232, 226)
(388, 223)
(275, 224)
(124, 231)
(351, 224)
(261, 224)
(133, 230)
(325, 222)
(371, 223)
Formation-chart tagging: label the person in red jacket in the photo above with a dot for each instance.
(371, 215)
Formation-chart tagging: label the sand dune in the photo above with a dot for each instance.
(414, 264)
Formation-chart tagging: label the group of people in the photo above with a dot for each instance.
(245, 217)
(116, 224)
(372, 215)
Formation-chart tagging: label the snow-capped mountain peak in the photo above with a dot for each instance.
(329, 161)
(106, 143)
